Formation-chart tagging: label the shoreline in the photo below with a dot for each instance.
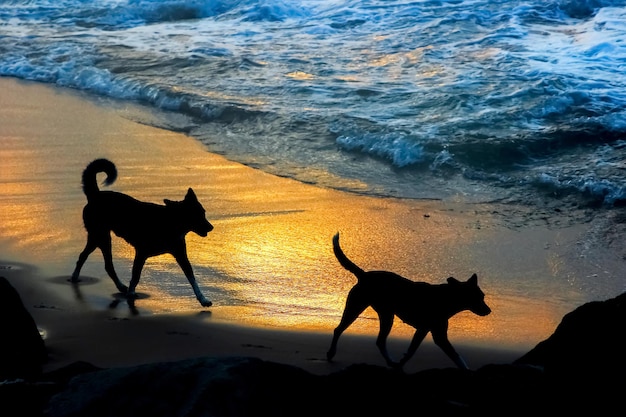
(51, 133)
(79, 333)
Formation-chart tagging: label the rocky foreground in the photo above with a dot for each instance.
(580, 368)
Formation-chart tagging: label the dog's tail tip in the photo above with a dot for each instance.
(110, 179)
(90, 185)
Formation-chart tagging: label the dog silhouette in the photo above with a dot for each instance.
(426, 307)
(152, 229)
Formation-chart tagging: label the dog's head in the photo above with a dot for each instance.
(471, 296)
(192, 214)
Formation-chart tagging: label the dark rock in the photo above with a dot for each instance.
(63, 375)
(252, 387)
(588, 342)
(576, 370)
(20, 398)
(194, 387)
(22, 350)
(583, 357)
(28, 398)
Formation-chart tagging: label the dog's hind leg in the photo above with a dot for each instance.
(105, 247)
(183, 262)
(418, 337)
(89, 248)
(354, 307)
(386, 323)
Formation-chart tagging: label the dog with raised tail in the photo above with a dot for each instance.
(152, 229)
(426, 307)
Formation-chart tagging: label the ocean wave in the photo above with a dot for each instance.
(601, 190)
(492, 91)
(393, 146)
(581, 9)
(587, 162)
(120, 14)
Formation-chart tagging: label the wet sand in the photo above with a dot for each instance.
(48, 135)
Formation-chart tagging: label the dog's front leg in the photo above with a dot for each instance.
(138, 263)
(418, 337)
(440, 337)
(386, 323)
(183, 261)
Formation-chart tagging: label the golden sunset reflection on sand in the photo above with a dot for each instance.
(269, 260)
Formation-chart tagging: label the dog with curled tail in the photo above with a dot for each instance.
(152, 229)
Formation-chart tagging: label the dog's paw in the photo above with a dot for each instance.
(206, 303)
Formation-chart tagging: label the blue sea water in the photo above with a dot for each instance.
(474, 99)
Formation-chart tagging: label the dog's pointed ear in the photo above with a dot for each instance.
(473, 279)
(453, 281)
(168, 202)
(191, 195)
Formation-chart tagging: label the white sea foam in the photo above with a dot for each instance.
(483, 88)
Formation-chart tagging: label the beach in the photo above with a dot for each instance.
(49, 134)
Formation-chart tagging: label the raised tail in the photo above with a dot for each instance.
(343, 259)
(90, 185)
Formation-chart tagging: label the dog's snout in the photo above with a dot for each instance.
(205, 229)
(482, 310)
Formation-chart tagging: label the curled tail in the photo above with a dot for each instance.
(90, 185)
(343, 259)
